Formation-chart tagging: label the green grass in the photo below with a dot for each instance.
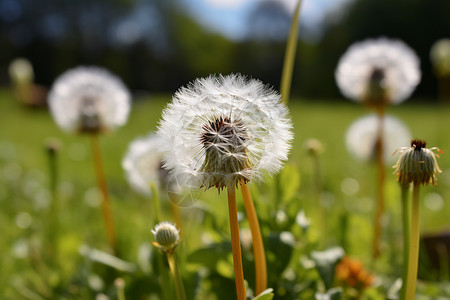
(24, 188)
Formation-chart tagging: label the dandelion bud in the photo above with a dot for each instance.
(417, 164)
(166, 236)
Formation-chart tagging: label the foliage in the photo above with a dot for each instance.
(34, 269)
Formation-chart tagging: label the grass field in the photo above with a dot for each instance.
(25, 200)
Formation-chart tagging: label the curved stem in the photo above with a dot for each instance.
(156, 204)
(406, 228)
(236, 244)
(413, 244)
(175, 210)
(289, 57)
(258, 246)
(101, 182)
(179, 287)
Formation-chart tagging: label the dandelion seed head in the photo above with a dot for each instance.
(89, 100)
(378, 71)
(167, 236)
(21, 71)
(143, 164)
(222, 130)
(417, 164)
(361, 137)
(440, 57)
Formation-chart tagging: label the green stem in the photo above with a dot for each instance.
(101, 181)
(380, 186)
(413, 244)
(156, 203)
(53, 225)
(406, 228)
(236, 244)
(289, 58)
(179, 287)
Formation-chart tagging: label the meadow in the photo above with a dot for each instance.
(340, 211)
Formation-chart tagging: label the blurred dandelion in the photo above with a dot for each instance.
(361, 137)
(378, 71)
(417, 165)
(143, 166)
(22, 77)
(440, 58)
(223, 131)
(91, 100)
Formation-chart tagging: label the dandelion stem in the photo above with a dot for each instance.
(413, 244)
(156, 204)
(289, 57)
(236, 244)
(258, 246)
(179, 287)
(380, 186)
(101, 181)
(53, 225)
(406, 228)
(175, 210)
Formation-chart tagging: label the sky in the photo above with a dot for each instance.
(228, 17)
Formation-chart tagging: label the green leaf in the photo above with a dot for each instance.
(279, 251)
(265, 295)
(289, 182)
(326, 262)
(210, 255)
(332, 294)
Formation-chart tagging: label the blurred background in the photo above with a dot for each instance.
(159, 45)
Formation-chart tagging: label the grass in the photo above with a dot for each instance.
(25, 193)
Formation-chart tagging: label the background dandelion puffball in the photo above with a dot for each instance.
(142, 163)
(246, 101)
(400, 65)
(361, 137)
(72, 88)
(440, 57)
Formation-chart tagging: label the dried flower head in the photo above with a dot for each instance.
(378, 71)
(223, 130)
(417, 164)
(143, 164)
(89, 100)
(352, 273)
(167, 236)
(361, 137)
(440, 57)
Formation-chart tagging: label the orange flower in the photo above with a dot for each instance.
(352, 273)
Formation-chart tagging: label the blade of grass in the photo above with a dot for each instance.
(289, 57)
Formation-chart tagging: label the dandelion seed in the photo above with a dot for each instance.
(223, 130)
(378, 71)
(89, 100)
